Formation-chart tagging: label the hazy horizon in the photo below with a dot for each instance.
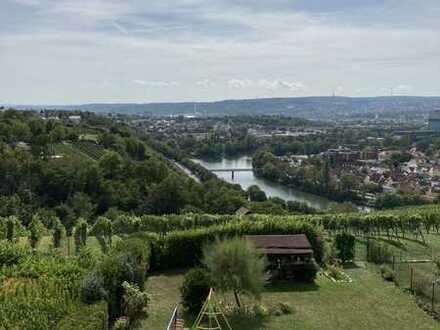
(213, 101)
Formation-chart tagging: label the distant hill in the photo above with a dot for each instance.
(306, 107)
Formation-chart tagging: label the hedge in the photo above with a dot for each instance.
(397, 222)
(177, 240)
(162, 224)
(86, 317)
(183, 249)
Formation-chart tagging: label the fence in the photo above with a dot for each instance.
(420, 278)
(418, 275)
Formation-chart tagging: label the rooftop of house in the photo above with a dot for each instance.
(435, 115)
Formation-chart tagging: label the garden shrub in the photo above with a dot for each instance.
(344, 244)
(281, 308)
(387, 273)
(11, 254)
(138, 253)
(308, 272)
(135, 302)
(261, 311)
(285, 308)
(85, 317)
(86, 258)
(127, 261)
(195, 289)
(121, 323)
(92, 288)
(335, 271)
(378, 252)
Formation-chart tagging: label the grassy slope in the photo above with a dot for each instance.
(367, 303)
(70, 151)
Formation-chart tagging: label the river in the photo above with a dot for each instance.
(272, 189)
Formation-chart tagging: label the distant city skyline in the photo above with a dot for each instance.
(99, 51)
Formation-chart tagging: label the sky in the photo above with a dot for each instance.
(86, 51)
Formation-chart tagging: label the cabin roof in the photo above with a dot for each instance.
(287, 251)
(287, 244)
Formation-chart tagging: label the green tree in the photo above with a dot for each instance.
(344, 244)
(80, 234)
(256, 194)
(111, 164)
(169, 196)
(195, 289)
(82, 205)
(135, 148)
(103, 230)
(59, 232)
(235, 265)
(11, 228)
(134, 302)
(67, 217)
(36, 230)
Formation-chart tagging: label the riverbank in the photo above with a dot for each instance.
(272, 189)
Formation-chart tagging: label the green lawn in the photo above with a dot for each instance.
(68, 150)
(367, 303)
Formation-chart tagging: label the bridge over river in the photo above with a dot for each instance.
(241, 166)
(232, 170)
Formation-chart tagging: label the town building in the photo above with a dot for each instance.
(434, 121)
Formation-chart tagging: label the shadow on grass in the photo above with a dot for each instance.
(394, 242)
(414, 241)
(235, 319)
(172, 272)
(285, 286)
(244, 321)
(351, 265)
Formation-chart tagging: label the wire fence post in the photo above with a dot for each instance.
(412, 280)
(433, 295)
(394, 262)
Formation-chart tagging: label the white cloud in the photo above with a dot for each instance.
(156, 83)
(281, 84)
(205, 83)
(239, 83)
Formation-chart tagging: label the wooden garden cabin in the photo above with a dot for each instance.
(287, 255)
